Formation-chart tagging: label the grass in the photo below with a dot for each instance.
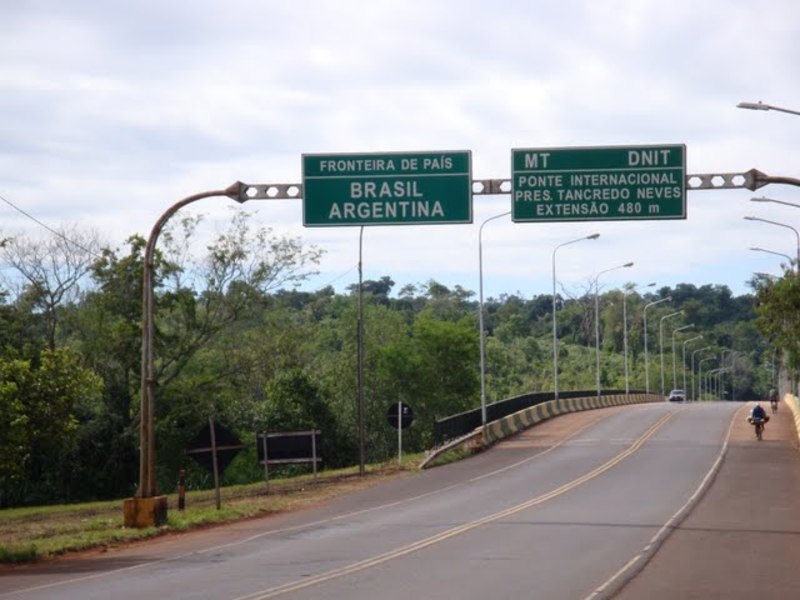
(37, 533)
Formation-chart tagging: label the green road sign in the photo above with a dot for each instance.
(387, 189)
(598, 184)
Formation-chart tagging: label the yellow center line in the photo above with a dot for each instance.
(440, 537)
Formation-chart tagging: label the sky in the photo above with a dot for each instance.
(112, 112)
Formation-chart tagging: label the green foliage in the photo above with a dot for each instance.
(778, 309)
(44, 405)
(235, 340)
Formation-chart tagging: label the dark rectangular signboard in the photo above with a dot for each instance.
(598, 183)
(401, 188)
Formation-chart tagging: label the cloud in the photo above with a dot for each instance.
(118, 111)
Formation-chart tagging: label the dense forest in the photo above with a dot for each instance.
(236, 340)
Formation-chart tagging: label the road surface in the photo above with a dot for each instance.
(580, 507)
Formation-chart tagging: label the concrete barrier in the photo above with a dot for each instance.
(528, 417)
(793, 402)
(512, 424)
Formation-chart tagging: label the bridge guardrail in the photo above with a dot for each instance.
(507, 426)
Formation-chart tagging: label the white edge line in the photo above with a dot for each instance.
(618, 580)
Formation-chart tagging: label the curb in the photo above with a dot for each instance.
(794, 405)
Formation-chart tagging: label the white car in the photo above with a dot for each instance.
(677, 396)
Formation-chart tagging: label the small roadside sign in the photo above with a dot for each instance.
(400, 415)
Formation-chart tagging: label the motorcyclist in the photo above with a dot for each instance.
(758, 413)
(773, 399)
(758, 417)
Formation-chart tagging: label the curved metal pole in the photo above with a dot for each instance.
(689, 341)
(625, 293)
(594, 236)
(661, 343)
(762, 106)
(147, 480)
(646, 360)
(796, 233)
(700, 375)
(480, 316)
(694, 377)
(597, 319)
(786, 256)
(722, 367)
(674, 374)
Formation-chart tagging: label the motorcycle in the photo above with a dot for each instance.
(758, 424)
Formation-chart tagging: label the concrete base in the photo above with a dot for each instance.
(145, 512)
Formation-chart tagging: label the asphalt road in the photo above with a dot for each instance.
(573, 508)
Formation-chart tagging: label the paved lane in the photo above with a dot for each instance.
(538, 516)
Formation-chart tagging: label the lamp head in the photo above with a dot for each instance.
(753, 105)
(630, 264)
(594, 236)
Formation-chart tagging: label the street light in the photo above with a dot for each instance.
(689, 341)
(597, 318)
(700, 374)
(674, 331)
(796, 233)
(480, 315)
(646, 360)
(147, 505)
(628, 289)
(594, 236)
(786, 256)
(710, 377)
(694, 377)
(765, 199)
(661, 343)
(722, 364)
(761, 106)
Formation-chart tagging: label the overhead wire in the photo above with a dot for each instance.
(50, 229)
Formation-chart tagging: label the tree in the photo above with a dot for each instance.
(202, 298)
(52, 269)
(44, 404)
(778, 310)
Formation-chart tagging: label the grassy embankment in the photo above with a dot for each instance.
(36, 533)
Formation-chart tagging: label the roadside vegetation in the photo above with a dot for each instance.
(236, 341)
(38, 533)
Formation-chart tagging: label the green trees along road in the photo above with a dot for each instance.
(234, 339)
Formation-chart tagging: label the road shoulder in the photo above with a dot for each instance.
(742, 540)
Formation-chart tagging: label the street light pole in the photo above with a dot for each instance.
(480, 316)
(765, 199)
(597, 318)
(627, 290)
(646, 359)
(796, 233)
(147, 490)
(761, 106)
(674, 331)
(700, 374)
(722, 364)
(786, 256)
(694, 377)
(689, 341)
(661, 343)
(594, 236)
